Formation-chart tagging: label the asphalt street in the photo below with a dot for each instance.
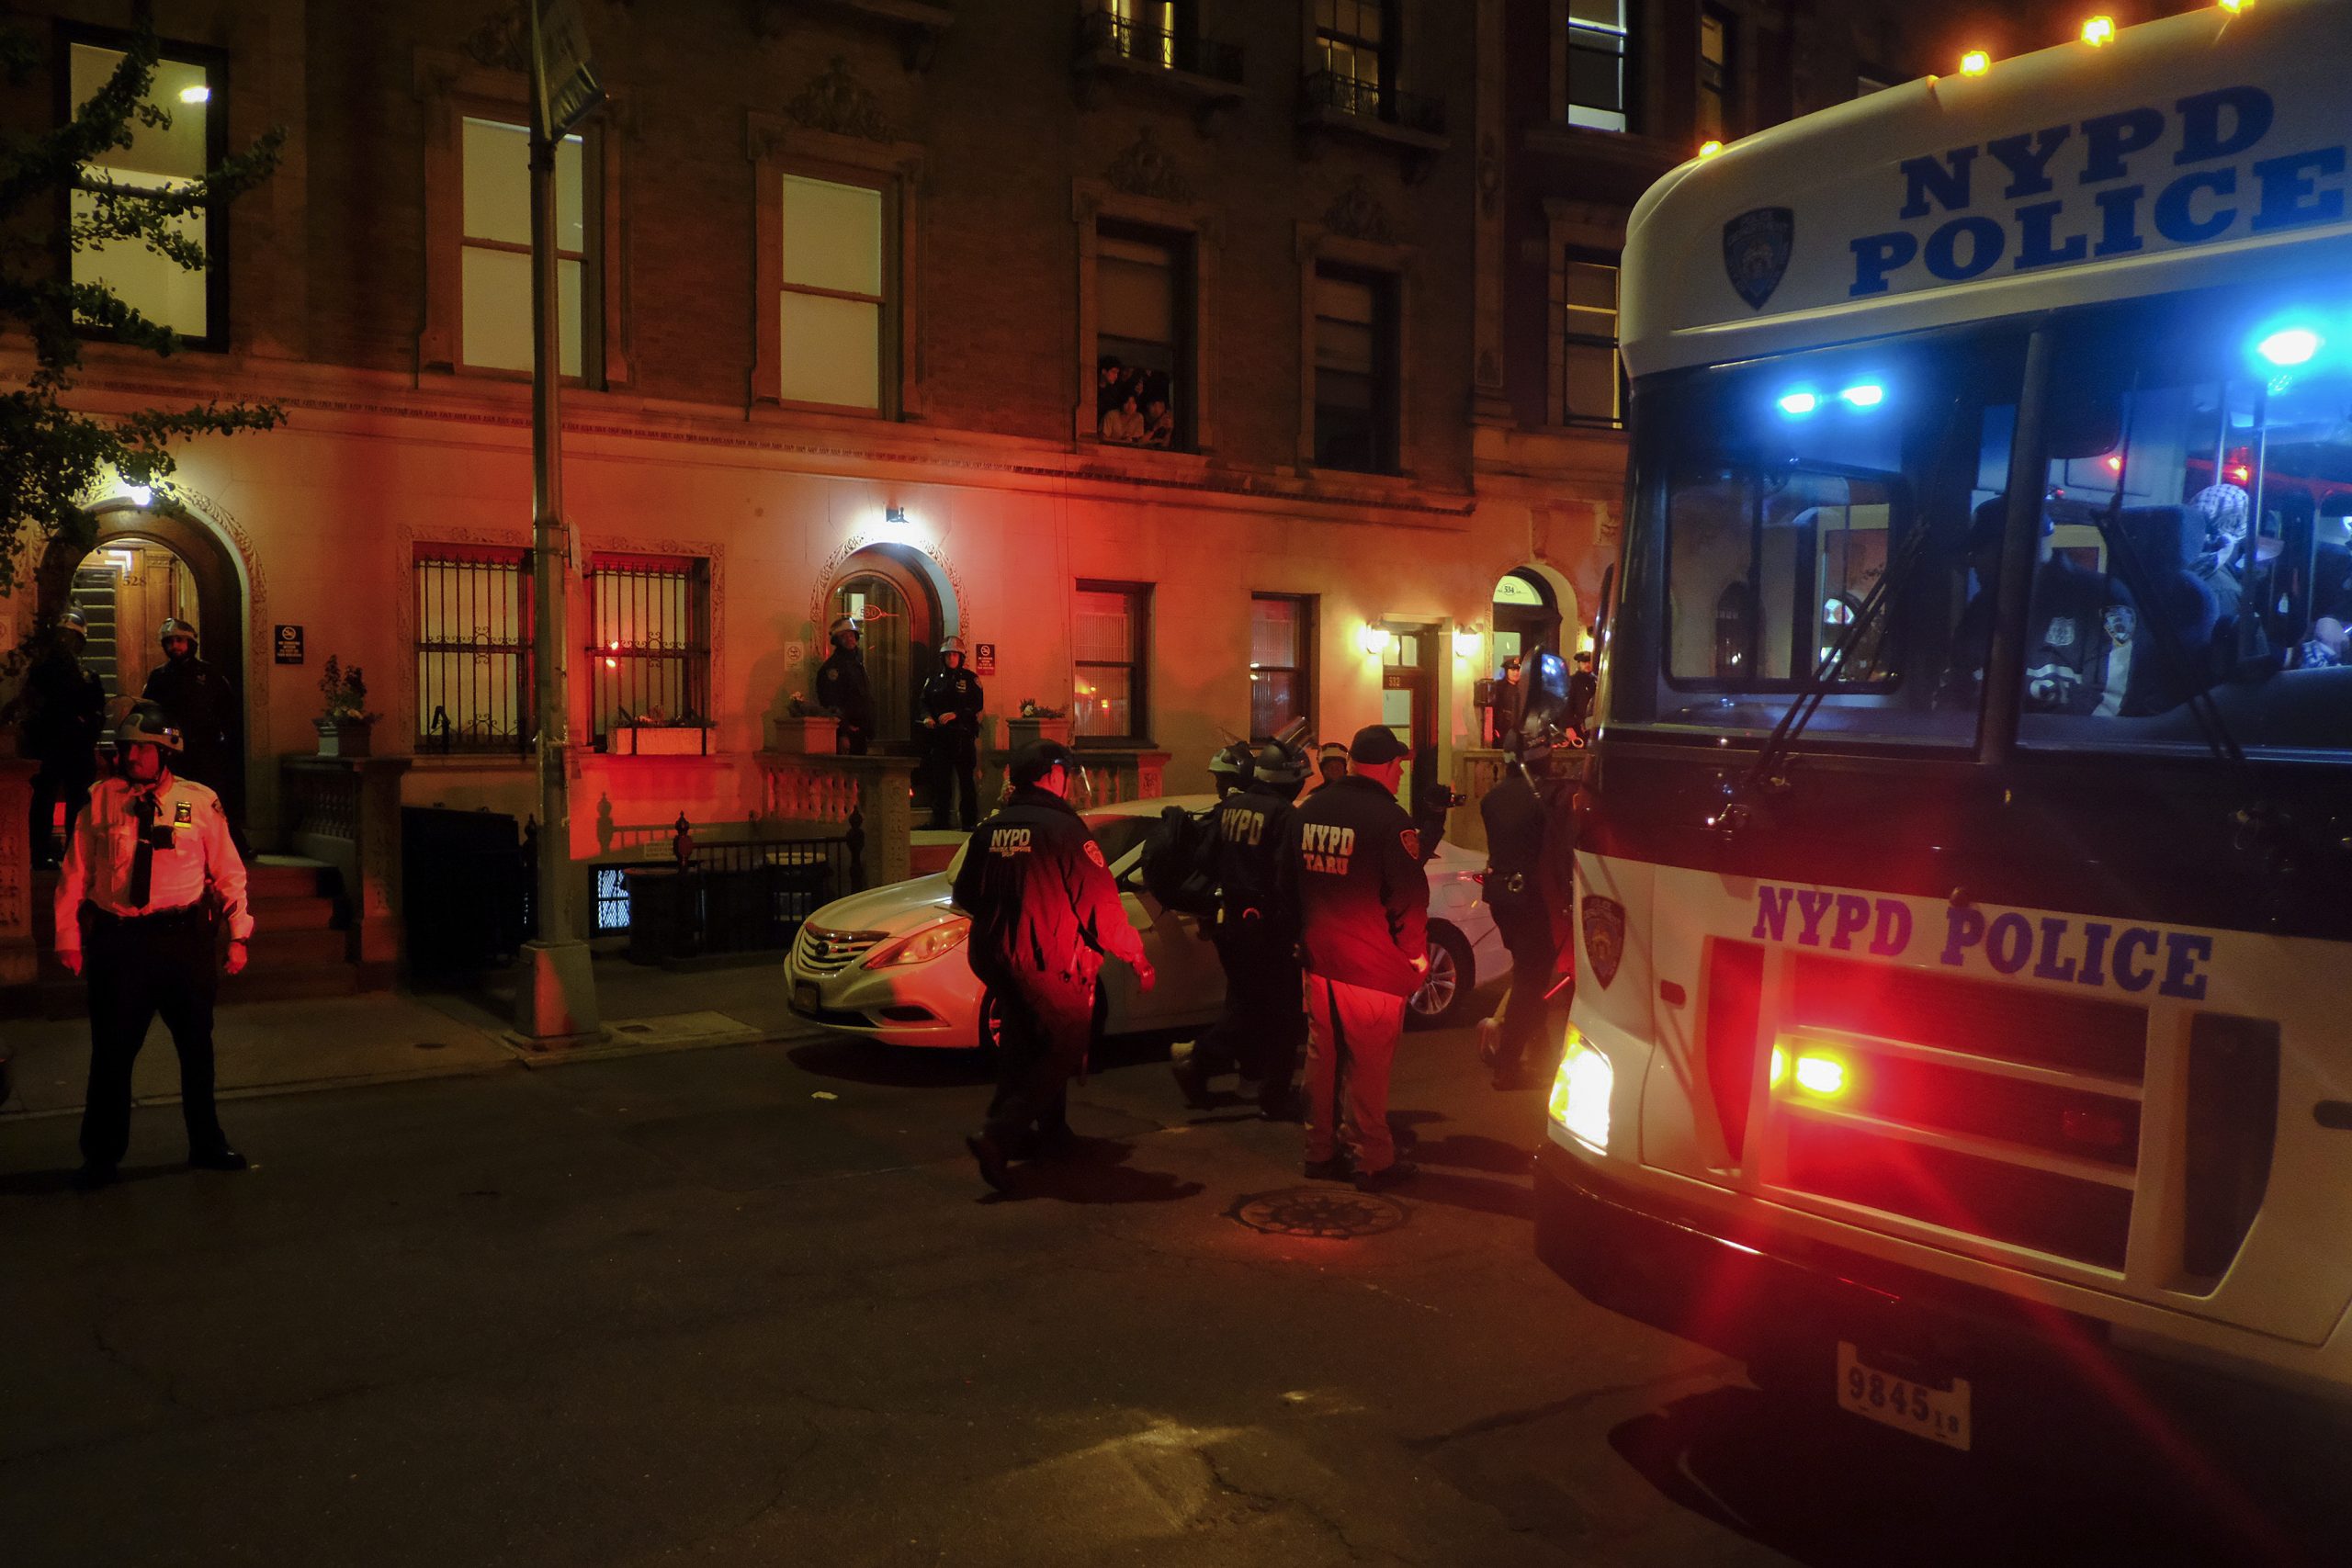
(752, 1305)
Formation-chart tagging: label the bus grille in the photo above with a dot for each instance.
(2002, 1112)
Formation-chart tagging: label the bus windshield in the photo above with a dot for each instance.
(2195, 535)
(1772, 497)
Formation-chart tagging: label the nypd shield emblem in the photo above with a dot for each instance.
(1604, 936)
(1755, 251)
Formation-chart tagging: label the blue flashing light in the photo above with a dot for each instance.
(1798, 405)
(1866, 395)
(2290, 346)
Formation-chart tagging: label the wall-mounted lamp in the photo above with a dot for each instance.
(1372, 639)
(1467, 642)
(141, 496)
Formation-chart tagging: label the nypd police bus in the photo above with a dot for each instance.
(1965, 1005)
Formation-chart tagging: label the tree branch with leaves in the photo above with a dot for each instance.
(54, 457)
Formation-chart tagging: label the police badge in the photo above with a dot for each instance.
(1755, 251)
(1604, 936)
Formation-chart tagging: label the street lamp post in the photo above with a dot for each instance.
(555, 1003)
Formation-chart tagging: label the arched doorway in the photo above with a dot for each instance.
(1526, 614)
(147, 564)
(899, 620)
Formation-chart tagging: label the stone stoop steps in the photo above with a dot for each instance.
(299, 948)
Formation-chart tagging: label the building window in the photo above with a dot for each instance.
(494, 268)
(1595, 36)
(1142, 319)
(473, 649)
(163, 159)
(1593, 390)
(1355, 369)
(1716, 118)
(1355, 43)
(1111, 623)
(1142, 30)
(650, 652)
(832, 312)
(1281, 660)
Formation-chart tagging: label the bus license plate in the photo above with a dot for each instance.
(1939, 1415)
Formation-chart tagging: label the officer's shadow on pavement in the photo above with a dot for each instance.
(50, 1183)
(1094, 1170)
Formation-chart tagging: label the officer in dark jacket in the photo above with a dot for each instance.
(1352, 867)
(1044, 912)
(1259, 1032)
(202, 706)
(1517, 813)
(841, 686)
(1582, 686)
(65, 715)
(951, 736)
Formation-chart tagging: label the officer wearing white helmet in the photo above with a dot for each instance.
(951, 704)
(199, 704)
(1229, 769)
(842, 686)
(149, 871)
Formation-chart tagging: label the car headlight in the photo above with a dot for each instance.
(922, 946)
(1580, 1093)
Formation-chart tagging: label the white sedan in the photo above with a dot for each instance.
(889, 965)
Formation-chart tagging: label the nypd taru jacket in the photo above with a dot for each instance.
(1515, 816)
(1248, 831)
(1043, 908)
(951, 699)
(1352, 868)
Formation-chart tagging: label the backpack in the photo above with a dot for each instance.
(1176, 860)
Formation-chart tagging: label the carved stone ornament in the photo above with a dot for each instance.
(502, 42)
(1144, 170)
(1358, 215)
(836, 101)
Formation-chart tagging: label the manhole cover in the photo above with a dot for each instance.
(1331, 1214)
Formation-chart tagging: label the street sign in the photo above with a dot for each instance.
(289, 645)
(984, 659)
(568, 85)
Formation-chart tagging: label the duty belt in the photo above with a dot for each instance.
(106, 920)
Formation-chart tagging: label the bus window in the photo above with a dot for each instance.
(2199, 481)
(1776, 498)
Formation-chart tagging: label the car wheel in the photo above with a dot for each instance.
(1445, 998)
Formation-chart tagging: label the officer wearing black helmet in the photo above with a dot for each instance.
(842, 686)
(149, 871)
(65, 713)
(1259, 1032)
(951, 736)
(1352, 867)
(197, 702)
(1045, 914)
(1517, 814)
(1229, 769)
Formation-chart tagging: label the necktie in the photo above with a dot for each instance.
(142, 858)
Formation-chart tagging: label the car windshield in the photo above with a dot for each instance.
(1772, 497)
(2196, 531)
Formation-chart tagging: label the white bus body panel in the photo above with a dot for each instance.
(1830, 197)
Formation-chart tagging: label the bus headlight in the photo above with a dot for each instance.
(1580, 1093)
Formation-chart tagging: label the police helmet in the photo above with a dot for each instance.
(72, 620)
(173, 626)
(1037, 758)
(1230, 762)
(145, 725)
(1280, 766)
(843, 625)
(951, 644)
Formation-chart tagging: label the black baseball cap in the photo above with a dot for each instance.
(1375, 744)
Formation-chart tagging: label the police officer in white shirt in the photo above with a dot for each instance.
(147, 871)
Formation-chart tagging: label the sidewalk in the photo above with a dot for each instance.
(338, 1042)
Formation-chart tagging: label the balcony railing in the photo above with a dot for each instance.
(1107, 31)
(1369, 100)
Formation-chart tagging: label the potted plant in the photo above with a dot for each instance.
(1036, 722)
(345, 726)
(655, 734)
(803, 728)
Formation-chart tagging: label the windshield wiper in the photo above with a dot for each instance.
(1736, 812)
